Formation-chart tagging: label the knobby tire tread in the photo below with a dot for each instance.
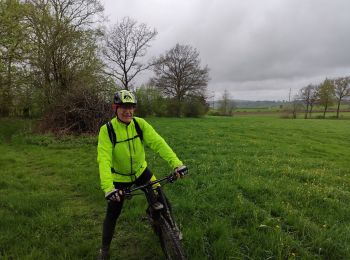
(169, 241)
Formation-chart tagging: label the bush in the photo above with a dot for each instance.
(213, 112)
(195, 107)
(319, 117)
(150, 102)
(79, 111)
(173, 108)
(286, 115)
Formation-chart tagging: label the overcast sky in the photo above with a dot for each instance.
(256, 49)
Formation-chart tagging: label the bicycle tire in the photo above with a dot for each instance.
(170, 243)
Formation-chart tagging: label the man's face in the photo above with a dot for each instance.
(125, 113)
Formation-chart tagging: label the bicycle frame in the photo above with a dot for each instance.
(148, 188)
(166, 179)
(161, 220)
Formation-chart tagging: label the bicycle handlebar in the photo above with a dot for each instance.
(170, 178)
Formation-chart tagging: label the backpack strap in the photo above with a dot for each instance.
(113, 136)
(111, 133)
(138, 129)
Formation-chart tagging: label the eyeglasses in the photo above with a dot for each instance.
(128, 106)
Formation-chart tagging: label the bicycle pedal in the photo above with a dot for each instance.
(157, 206)
(179, 235)
(178, 232)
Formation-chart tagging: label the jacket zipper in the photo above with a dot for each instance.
(127, 133)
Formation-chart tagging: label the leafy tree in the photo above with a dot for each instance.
(150, 101)
(12, 51)
(326, 95)
(63, 44)
(342, 90)
(125, 44)
(65, 68)
(178, 74)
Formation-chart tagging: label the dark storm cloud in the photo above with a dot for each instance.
(256, 49)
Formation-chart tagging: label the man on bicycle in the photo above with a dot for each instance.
(123, 163)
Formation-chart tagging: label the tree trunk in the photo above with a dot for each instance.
(310, 112)
(179, 102)
(338, 107)
(306, 111)
(126, 81)
(8, 92)
(325, 110)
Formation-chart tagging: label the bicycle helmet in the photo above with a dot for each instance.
(124, 97)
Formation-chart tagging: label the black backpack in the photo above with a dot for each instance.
(113, 137)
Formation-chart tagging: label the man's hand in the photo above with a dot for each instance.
(181, 171)
(114, 195)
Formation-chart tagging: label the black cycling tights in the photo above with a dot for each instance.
(114, 208)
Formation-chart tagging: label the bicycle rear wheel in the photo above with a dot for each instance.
(169, 240)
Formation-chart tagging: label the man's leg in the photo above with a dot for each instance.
(146, 177)
(113, 211)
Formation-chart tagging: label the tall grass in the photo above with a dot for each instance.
(259, 188)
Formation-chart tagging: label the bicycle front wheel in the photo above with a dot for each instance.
(169, 241)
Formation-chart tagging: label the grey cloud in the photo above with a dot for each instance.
(269, 46)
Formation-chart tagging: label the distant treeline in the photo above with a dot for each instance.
(330, 92)
(250, 104)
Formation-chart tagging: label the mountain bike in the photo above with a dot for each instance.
(161, 218)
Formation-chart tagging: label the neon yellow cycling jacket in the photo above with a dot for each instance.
(127, 158)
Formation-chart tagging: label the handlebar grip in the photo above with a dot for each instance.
(182, 169)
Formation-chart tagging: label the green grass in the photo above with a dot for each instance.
(331, 112)
(259, 109)
(260, 187)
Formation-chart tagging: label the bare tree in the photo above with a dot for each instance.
(296, 106)
(178, 73)
(125, 44)
(308, 96)
(313, 98)
(326, 95)
(226, 104)
(342, 90)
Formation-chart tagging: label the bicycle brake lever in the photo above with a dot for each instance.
(171, 178)
(127, 194)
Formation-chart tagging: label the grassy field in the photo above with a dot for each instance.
(318, 110)
(260, 187)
